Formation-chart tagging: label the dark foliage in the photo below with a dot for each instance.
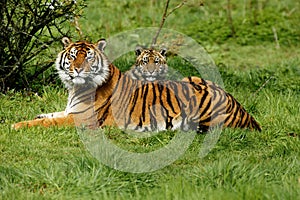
(27, 30)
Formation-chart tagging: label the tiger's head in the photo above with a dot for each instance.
(150, 64)
(82, 63)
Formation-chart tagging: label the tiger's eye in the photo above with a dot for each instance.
(72, 56)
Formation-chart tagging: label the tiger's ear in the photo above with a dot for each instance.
(101, 44)
(163, 51)
(66, 41)
(138, 50)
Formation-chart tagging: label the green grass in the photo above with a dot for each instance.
(52, 163)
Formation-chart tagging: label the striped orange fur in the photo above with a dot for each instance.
(100, 95)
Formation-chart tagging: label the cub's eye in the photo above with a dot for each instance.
(145, 60)
(156, 60)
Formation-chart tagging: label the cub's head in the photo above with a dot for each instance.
(82, 63)
(150, 64)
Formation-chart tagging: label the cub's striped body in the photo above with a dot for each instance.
(150, 65)
(216, 105)
(100, 95)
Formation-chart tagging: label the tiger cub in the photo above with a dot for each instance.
(100, 95)
(150, 65)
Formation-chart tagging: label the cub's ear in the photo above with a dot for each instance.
(163, 51)
(66, 41)
(101, 44)
(138, 50)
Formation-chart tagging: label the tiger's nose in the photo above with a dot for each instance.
(78, 70)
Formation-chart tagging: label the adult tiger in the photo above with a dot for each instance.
(150, 65)
(100, 95)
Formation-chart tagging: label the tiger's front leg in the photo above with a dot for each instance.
(46, 122)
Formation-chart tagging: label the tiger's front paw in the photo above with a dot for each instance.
(50, 115)
(41, 116)
(19, 125)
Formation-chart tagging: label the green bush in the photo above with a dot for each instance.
(28, 29)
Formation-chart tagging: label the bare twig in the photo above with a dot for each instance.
(164, 17)
(276, 37)
(77, 27)
(161, 23)
(229, 17)
(291, 12)
(262, 86)
(15, 67)
(178, 6)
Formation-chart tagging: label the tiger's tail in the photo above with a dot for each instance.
(239, 117)
(254, 125)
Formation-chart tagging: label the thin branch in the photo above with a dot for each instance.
(262, 86)
(276, 37)
(165, 16)
(38, 50)
(50, 32)
(41, 69)
(178, 6)
(229, 18)
(161, 23)
(77, 27)
(15, 67)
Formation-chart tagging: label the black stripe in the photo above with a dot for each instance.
(177, 98)
(101, 59)
(217, 106)
(162, 107)
(132, 104)
(79, 112)
(169, 101)
(144, 98)
(185, 90)
(122, 97)
(230, 103)
(61, 61)
(88, 98)
(245, 122)
(153, 117)
(154, 97)
(203, 99)
(169, 124)
(102, 118)
(235, 113)
(229, 110)
(241, 120)
(153, 121)
(107, 102)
